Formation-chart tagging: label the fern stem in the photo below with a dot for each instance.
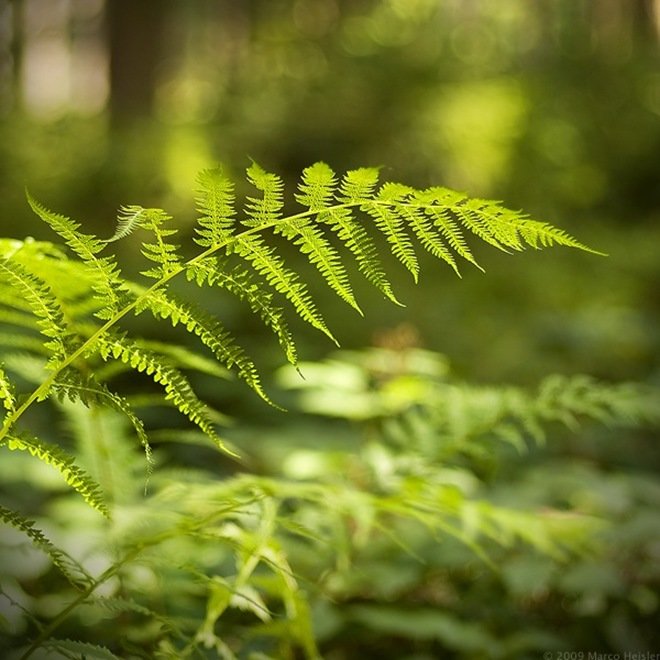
(59, 619)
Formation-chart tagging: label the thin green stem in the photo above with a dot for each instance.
(58, 620)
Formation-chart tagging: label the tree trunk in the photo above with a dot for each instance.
(136, 41)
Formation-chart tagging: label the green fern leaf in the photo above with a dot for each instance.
(358, 185)
(210, 332)
(317, 187)
(89, 391)
(265, 210)
(567, 399)
(215, 201)
(285, 281)
(44, 305)
(241, 284)
(177, 388)
(311, 242)
(164, 254)
(412, 215)
(107, 278)
(489, 221)
(7, 392)
(128, 220)
(85, 246)
(541, 234)
(53, 455)
(437, 203)
(317, 192)
(69, 567)
(390, 223)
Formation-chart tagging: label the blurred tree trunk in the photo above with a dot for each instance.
(10, 54)
(136, 40)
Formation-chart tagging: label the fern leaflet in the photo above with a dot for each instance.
(390, 222)
(177, 388)
(240, 283)
(87, 389)
(162, 253)
(107, 278)
(209, 330)
(128, 220)
(282, 279)
(53, 455)
(69, 567)
(215, 201)
(44, 305)
(7, 396)
(265, 210)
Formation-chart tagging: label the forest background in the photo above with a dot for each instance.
(551, 106)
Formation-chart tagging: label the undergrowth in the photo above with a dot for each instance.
(156, 559)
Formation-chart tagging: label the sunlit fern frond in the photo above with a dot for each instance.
(177, 387)
(7, 394)
(216, 206)
(106, 275)
(128, 220)
(282, 279)
(163, 253)
(241, 283)
(209, 331)
(42, 303)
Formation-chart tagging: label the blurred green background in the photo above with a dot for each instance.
(552, 106)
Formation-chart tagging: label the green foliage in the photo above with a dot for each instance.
(244, 566)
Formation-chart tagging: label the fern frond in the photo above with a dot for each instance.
(568, 398)
(437, 204)
(267, 209)
(76, 575)
(215, 201)
(90, 392)
(488, 220)
(356, 186)
(128, 220)
(44, 305)
(177, 388)
(241, 284)
(317, 187)
(86, 246)
(107, 277)
(53, 455)
(390, 223)
(7, 396)
(541, 234)
(285, 281)
(312, 243)
(430, 240)
(210, 332)
(317, 192)
(78, 649)
(165, 255)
